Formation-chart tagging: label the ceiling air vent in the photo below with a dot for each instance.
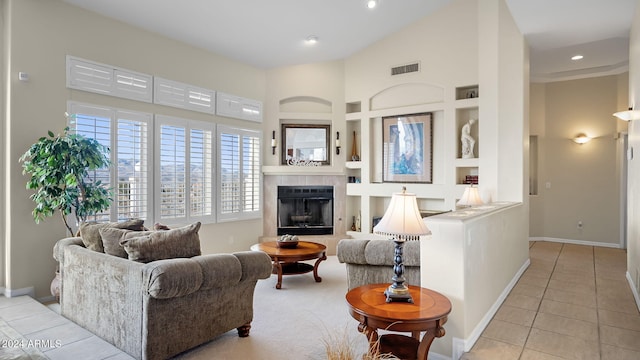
(403, 69)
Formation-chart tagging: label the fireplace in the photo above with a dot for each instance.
(305, 210)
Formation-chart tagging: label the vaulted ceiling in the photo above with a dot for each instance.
(269, 34)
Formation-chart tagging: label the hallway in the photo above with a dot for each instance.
(573, 302)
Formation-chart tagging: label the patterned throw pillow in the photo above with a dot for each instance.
(90, 232)
(183, 242)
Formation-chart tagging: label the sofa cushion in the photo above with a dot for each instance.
(112, 237)
(382, 252)
(90, 232)
(183, 242)
(219, 270)
(170, 278)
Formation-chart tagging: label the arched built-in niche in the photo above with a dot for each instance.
(305, 104)
(406, 95)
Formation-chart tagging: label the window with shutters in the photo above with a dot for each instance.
(108, 80)
(184, 171)
(183, 96)
(239, 190)
(127, 135)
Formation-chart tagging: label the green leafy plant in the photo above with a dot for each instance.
(59, 167)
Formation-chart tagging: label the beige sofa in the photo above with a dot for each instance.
(158, 309)
(371, 261)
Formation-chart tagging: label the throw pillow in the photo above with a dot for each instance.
(90, 232)
(183, 242)
(112, 237)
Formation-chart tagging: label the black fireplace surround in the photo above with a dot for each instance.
(305, 210)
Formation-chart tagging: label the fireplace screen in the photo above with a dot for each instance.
(305, 210)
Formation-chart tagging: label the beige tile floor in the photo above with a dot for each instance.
(573, 302)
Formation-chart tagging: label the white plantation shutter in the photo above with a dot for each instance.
(184, 175)
(239, 187)
(184, 96)
(95, 123)
(238, 107)
(133, 196)
(87, 76)
(251, 166)
(125, 133)
(229, 174)
(201, 179)
(108, 80)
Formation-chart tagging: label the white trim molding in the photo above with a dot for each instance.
(576, 242)
(634, 290)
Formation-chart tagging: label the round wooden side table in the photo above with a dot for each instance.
(287, 261)
(429, 311)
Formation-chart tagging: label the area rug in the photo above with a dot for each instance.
(295, 322)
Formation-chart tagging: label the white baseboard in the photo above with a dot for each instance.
(460, 346)
(634, 290)
(436, 356)
(576, 242)
(19, 292)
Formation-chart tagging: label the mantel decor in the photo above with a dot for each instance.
(407, 143)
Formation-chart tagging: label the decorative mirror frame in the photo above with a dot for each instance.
(288, 130)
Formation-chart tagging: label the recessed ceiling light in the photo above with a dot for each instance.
(312, 39)
(577, 57)
(371, 4)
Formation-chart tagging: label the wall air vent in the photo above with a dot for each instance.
(403, 69)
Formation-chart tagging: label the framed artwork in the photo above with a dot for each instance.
(407, 148)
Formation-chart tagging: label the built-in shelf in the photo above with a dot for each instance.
(371, 196)
(467, 92)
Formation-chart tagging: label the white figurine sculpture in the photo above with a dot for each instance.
(468, 142)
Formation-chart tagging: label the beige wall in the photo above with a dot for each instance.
(633, 200)
(40, 35)
(584, 179)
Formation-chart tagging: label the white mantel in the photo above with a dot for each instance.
(302, 170)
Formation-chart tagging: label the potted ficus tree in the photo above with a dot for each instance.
(59, 167)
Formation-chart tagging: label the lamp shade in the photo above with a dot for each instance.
(470, 197)
(402, 218)
(628, 115)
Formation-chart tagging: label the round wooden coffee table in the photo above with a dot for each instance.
(286, 261)
(428, 312)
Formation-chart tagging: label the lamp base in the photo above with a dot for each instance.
(398, 294)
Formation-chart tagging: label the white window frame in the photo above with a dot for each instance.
(188, 125)
(115, 115)
(241, 214)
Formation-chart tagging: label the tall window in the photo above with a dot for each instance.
(184, 172)
(239, 177)
(126, 134)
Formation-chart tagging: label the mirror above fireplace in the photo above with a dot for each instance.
(302, 144)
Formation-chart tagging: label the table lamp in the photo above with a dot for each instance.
(403, 222)
(470, 197)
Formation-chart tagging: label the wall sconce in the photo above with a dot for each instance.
(273, 142)
(581, 139)
(337, 142)
(628, 115)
